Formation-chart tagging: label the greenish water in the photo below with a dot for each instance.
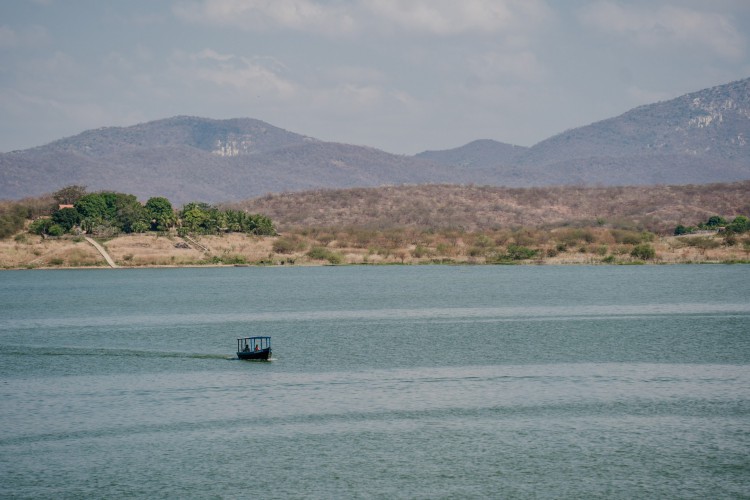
(386, 382)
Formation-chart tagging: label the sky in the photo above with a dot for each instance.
(404, 76)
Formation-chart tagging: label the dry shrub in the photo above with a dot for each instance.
(627, 237)
(288, 244)
(483, 208)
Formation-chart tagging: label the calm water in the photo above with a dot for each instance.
(387, 382)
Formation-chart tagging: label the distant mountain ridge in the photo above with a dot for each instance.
(222, 137)
(190, 158)
(480, 153)
(701, 137)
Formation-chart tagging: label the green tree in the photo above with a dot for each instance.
(196, 217)
(41, 226)
(111, 212)
(124, 210)
(111, 202)
(161, 213)
(715, 221)
(740, 224)
(66, 218)
(130, 215)
(92, 206)
(140, 226)
(55, 230)
(680, 229)
(259, 224)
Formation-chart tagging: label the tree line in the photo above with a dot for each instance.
(738, 225)
(107, 213)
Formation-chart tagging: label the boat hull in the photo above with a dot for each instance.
(262, 354)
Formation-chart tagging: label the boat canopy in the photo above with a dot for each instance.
(253, 343)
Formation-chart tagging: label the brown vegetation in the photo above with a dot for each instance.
(32, 251)
(436, 224)
(481, 208)
(565, 245)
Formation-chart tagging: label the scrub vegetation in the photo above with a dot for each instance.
(391, 225)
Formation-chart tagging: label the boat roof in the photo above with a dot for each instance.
(253, 338)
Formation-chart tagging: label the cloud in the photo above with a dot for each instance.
(347, 98)
(29, 37)
(506, 65)
(263, 15)
(358, 74)
(212, 55)
(667, 26)
(248, 76)
(66, 95)
(7, 37)
(432, 17)
(450, 17)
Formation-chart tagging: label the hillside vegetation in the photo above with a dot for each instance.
(480, 208)
(416, 225)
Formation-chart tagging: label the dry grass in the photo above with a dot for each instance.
(357, 246)
(436, 224)
(32, 251)
(159, 250)
(135, 250)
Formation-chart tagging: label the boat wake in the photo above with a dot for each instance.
(108, 352)
(235, 358)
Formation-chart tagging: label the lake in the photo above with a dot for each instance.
(386, 382)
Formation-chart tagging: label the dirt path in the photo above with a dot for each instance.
(103, 252)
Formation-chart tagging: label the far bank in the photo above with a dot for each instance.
(358, 246)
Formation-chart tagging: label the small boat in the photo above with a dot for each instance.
(254, 348)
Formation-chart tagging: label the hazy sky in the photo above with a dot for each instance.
(400, 75)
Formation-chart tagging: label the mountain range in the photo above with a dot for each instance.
(697, 138)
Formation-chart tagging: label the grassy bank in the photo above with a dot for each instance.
(319, 246)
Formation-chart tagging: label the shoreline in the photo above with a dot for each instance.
(148, 250)
(106, 267)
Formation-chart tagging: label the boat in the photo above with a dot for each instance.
(254, 348)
